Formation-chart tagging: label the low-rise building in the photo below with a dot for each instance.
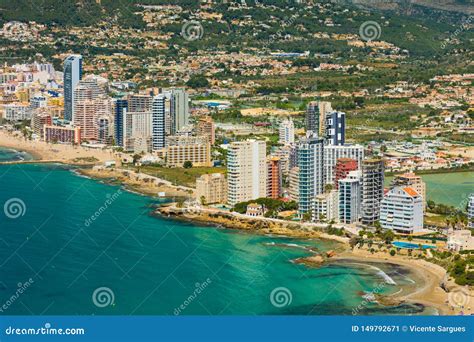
(70, 135)
(460, 240)
(255, 210)
(181, 149)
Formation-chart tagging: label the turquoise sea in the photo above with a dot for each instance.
(77, 246)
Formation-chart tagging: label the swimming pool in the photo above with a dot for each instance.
(408, 245)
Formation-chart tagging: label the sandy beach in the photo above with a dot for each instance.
(62, 153)
(430, 292)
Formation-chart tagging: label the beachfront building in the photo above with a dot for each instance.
(72, 76)
(335, 131)
(158, 122)
(211, 188)
(182, 148)
(326, 207)
(206, 127)
(401, 210)
(286, 132)
(411, 180)
(137, 129)
(332, 153)
(470, 211)
(343, 167)
(372, 189)
(294, 186)
(246, 171)
(274, 178)
(17, 111)
(311, 171)
(460, 240)
(349, 190)
(255, 210)
(38, 122)
(120, 106)
(60, 134)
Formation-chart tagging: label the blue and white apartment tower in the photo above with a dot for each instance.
(311, 171)
(121, 106)
(72, 76)
(336, 128)
(158, 122)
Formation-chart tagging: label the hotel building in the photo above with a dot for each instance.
(246, 171)
(181, 149)
(401, 210)
(72, 76)
(70, 135)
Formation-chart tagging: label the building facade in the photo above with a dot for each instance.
(326, 207)
(372, 189)
(246, 171)
(411, 180)
(158, 122)
(343, 167)
(274, 178)
(211, 188)
(332, 153)
(311, 171)
(401, 210)
(349, 190)
(286, 132)
(181, 149)
(72, 76)
(335, 132)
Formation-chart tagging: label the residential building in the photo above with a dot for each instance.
(60, 134)
(211, 188)
(158, 122)
(286, 132)
(119, 105)
(335, 132)
(326, 207)
(332, 153)
(136, 125)
(17, 111)
(139, 102)
(410, 179)
(343, 167)
(179, 109)
(255, 210)
(181, 149)
(72, 76)
(311, 171)
(324, 108)
(206, 127)
(460, 240)
(312, 117)
(401, 210)
(38, 122)
(349, 190)
(246, 171)
(372, 189)
(294, 186)
(274, 178)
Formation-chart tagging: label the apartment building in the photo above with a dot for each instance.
(401, 210)
(211, 188)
